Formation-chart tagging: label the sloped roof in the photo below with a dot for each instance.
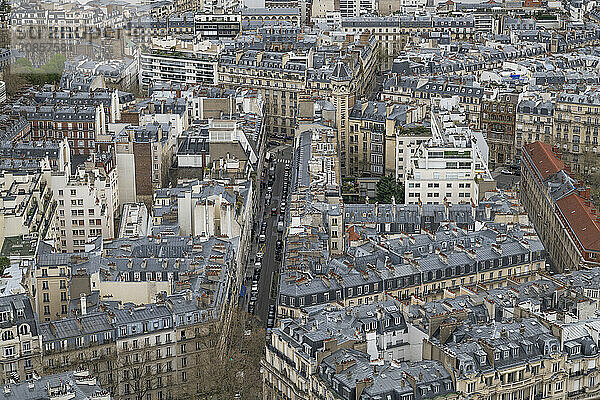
(578, 213)
(544, 159)
(341, 72)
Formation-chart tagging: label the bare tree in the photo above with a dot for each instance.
(232, 369)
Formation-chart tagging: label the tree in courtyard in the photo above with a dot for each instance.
(4, 263)
(388, 187)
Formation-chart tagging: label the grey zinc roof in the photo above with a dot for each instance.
(74, 387)
(75, 327)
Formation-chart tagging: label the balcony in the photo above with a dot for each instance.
(282, 356)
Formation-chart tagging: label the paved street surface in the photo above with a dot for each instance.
(281, 156)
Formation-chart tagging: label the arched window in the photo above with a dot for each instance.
(24, 329)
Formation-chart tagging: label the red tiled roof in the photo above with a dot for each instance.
(544, 159)
(581, 220)
(352, 235)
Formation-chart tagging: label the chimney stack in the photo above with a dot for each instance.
(83, 300)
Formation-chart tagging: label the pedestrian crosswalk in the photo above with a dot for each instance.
(282, 161)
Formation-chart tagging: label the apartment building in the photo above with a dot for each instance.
(135, 221)
(576, 130)
(374, 128)
(342, 374)
(87, 203)
(535, 122)
(115, 73)
(408, 141)
(109, 99)
(80, 125)
(217, 26)
(27, 207)
(560, 209)
(498, 119)
(150, 349)
(426, 273)
(421, 91)
(582, 357)
(378, 333)
(390, 35)
(264, 16)
(21, 339)
(145, 349)
(279, 77)
(13, 128)
(451, 167)
(83, 342)
(75, 385)
(47, 281)
(172, 60)
(503, 360)
(208, 210)
(147, 149)
(228, 147)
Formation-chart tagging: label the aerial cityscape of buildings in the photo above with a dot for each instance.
(299, 199)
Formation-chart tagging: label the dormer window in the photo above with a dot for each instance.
(482, 359)
(505, 355)
(497, 355)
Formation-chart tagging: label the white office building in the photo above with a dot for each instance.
(450, 167)
(174, 61)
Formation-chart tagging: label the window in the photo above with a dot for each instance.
(9, 351)
(558, 386)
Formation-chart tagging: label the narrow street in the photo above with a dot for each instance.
(267, 283)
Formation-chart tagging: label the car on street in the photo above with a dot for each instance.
(280, 226)
(507, 172)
